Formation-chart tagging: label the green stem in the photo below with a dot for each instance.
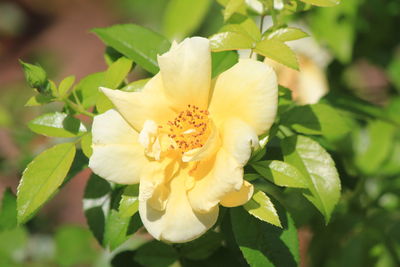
(78, 108)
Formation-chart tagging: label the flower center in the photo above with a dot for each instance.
(190, 129)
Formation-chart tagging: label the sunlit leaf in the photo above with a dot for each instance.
(261, 207)
(57, 124)
(86, 144)
(280, 173)
(129, 203)
(230, 41)
(183, 17)
(87, 89)
(323, 3)
(319, 170)
(41, 179)
(287, 34)
(232, 7)
(135, 42)
(246, 27)
(135, 86)
(65, 85)
(36, 77)
(277, 51)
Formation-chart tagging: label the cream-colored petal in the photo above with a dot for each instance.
(186, 72)
(248, 91)
(238, 198)
(214, 178)
(238, 139)
(148, 104)
(177, 223)
(117, 155)
(208, 150)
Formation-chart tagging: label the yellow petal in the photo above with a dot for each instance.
(247, 91)
(186, 72)
(117, 155)
(214, 178)
(238, 198)
(177, 223)
(137, 107)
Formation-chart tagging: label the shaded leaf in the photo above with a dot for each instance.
(41, 179)
(36, 77)
(8, 211)
(221, 61)
(319, 170)
(202, 247)
(156, 254)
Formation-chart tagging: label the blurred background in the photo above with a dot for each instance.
(354, 51)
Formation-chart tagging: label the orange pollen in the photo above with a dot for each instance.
(190, 129)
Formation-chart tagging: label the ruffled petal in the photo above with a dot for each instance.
(247, 91)
(137, 107)
(186, 72)
(117, 155)
(178, 222)
(238, 198)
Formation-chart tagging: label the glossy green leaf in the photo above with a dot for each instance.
(183, 17)
(8, 211)
(221, 61)
(261, 207)
(263, 244)
(232, 7)
(317, 119)
(277, 51)
(86, 144)
(156, 254)
(135, 42)
(246, 27)
(42, 178)
(87, 89)
(129, 203)
(230, 41)
(35, 76)
(135, 86)
(319, 170)
(74, 246)
(323, 3)
(287, 34)
(280, 173)
(117, 72)
(65, 85)
(57, 124)
(118, 229)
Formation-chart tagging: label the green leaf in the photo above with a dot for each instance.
(135, 86)
(202, 247)
(117, 72)
(41, 179)
(96, 205)
(136, 43)
(287, 34)
(35, 76)
(65, 85)
(319, 170)
(156, 254)
(74, 246)
(118, 229)
(12, 241)
(372, 145)
(183, 17)
(57, 125)
(263, 244)
(38, 100)
(261, 207)
(280, 173)
(86, 144)
(246, 27)
(277, 51)
(8, 211)
(221, 61)
(317, 119)
(230, 41)
(87, 89)
(129, 203)
(323, 3)
(232, 7)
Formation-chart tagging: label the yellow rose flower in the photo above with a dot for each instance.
(186, 138)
